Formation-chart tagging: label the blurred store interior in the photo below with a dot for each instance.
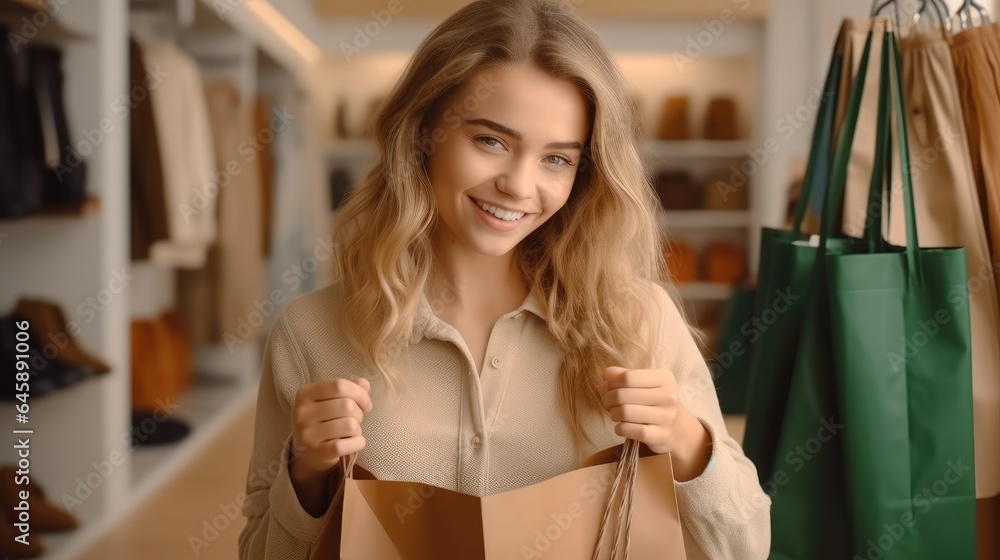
(142, 428)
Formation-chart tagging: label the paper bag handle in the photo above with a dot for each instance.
(622, 490)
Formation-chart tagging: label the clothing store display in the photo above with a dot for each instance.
(217, 300)
(147, 205)
(64, 170)
(976, 55)
(150, 428)
(191, 183)
(720, 119)
(949, 215)
(265, 157)
(948, 212)
(682, 261)
(45, 515)
(674, 119)
(340, 130)
(464, 430)
(21, 182)
(724, 262)
(924, 406)
(48, 325)
(678, 191)
(363, 520)
(720, 193)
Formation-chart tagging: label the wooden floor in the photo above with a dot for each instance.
(181, 520)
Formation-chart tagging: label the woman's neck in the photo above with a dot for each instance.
(464, 280)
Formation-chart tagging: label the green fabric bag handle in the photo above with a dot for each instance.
(891, 92)
(833, 202)
(820, 152)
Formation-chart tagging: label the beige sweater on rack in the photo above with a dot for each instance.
(480, 434)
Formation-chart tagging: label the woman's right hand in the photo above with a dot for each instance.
(327, 426)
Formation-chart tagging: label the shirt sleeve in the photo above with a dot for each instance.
(724, 511)
(277, 527)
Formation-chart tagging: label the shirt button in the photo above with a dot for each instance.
(497, 361)
(475, 442)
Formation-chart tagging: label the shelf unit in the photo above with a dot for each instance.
(80, 446)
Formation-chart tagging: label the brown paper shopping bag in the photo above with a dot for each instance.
(561, 517)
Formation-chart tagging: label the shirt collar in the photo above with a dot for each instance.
(429, 325)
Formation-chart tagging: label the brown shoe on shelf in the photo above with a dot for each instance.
(682, 261)
(45, 516)
(11, 549)
(180, 344)
(725, 263)
(48, 327)
(678, 191)
(674, 120)
(150, 380)
(720, 119)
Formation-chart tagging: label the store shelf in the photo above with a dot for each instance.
(672, 150)
(705, 291)
(673, 219)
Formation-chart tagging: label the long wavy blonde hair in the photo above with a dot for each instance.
(594, 262)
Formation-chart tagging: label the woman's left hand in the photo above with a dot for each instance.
(646, 405)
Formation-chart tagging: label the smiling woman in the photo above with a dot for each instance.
(501, 261)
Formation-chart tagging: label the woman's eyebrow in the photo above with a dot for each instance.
(517, 135)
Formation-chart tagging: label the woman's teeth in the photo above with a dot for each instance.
(500, 213)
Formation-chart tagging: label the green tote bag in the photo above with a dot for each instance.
(809, 508)
(902, 355)
(784, 272)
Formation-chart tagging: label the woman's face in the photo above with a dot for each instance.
(509, 141)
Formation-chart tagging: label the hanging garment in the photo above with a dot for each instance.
(949, 215)
(266, 158)
(946, 203)
(219, 301)
(293, 266)
(148, 209)
(186, 153)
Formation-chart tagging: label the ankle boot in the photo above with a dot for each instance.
(48, 324)
(45, 516)
(720, 119)
(674, 120)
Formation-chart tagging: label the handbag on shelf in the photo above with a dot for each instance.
(608, 508)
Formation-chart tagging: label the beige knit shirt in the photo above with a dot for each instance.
(480, 434)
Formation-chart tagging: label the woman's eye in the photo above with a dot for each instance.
(486, 140)
(559, 160)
